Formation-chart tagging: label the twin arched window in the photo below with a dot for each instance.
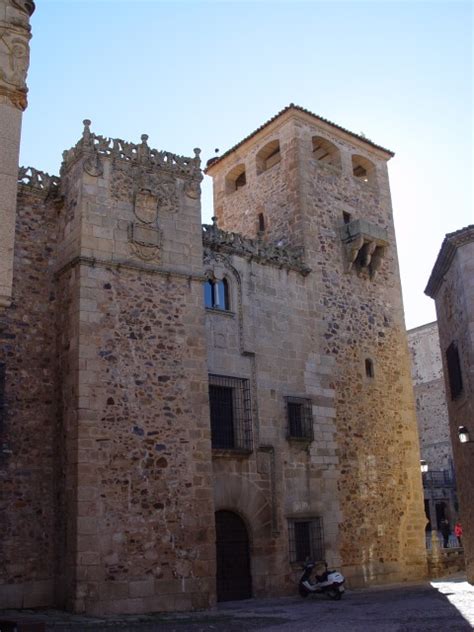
(216, 294)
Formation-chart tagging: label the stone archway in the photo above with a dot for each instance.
(233, 576)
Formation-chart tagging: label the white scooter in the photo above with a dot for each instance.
(330, 582)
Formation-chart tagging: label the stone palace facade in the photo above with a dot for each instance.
(188, 411)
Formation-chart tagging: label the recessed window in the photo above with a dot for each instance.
(306, 540)
(326, 152)
(300, 418)
(369, 368)
(236, 178)
(216, 294)
(454, 370)
(230, 409)
(363, 169)
(346, 217)
(261, 223)
(268, 156)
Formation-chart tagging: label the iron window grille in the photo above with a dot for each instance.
(231, 414)
(454, 370)
(306, 540)
(300, 418)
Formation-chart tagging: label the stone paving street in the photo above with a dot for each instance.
(442, 606)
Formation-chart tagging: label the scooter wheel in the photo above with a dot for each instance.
(335, 595)
(303, 591)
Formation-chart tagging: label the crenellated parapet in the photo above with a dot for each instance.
(253, 249)
(95, 148)
(38, 180)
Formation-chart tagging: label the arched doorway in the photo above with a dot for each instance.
(234, 580)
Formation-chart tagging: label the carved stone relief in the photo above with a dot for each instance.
(145, 241)
(15, 51)
(146, 206)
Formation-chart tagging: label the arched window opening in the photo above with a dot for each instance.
(261, 223)
(236, 178)
(326, 152)
(268, 156)
(369, 368)
(216, 294)
(363, 169)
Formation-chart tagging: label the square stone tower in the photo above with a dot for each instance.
(303, 183)
(136, 498)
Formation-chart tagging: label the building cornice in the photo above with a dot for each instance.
(450, 244)
(296, 109)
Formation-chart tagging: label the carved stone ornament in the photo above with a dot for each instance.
(91, 164)
(146, 206)
(365, 245)
(192, 189)
(145, 241)
(167, 196)
(15, 51)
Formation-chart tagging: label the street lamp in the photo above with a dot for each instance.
(423, 466)
(463, 434)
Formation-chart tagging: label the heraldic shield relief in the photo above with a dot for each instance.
(145, 236)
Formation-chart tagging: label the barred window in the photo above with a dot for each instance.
(454, 370)
(300, 418)
(306, 540)
(230, 407)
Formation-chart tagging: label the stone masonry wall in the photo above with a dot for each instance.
(267, 338)
(382, 533)
(28, 473)
(455, 309)
(350, 317)
(144, 519)
(140, 534)
(430, 396)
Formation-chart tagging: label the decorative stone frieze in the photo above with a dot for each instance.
(15, 34)
(253, 249)
(93, 147)
(36, 179)
(366, 244)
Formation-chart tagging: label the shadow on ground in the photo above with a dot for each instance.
(443, 605)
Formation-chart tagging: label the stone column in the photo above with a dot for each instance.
(15, 34)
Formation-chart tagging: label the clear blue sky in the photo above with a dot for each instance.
(206, 74)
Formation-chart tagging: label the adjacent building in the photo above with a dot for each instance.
(439, 483)
(451, 285)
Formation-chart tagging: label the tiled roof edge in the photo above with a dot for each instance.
(292, 106)
(450, 244)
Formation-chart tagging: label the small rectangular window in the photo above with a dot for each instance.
(306, 540)
(230, 409)
(454, 370)
(300, 418)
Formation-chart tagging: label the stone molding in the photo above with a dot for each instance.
(127, 265)
(15, 34)
(94, 148)
(253, 249)
(445, 257)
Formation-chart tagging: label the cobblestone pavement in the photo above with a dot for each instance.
(442, 606)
